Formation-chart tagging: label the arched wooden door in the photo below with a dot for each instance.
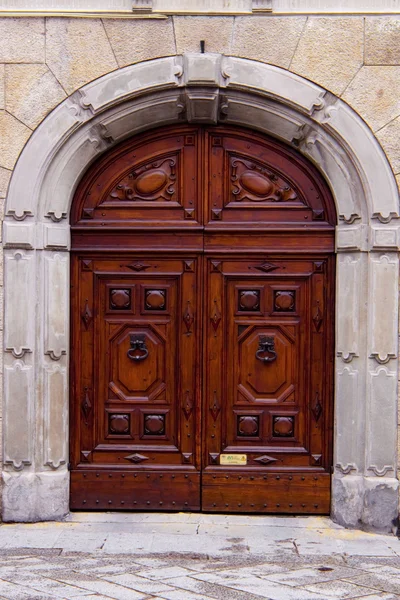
(202, 327)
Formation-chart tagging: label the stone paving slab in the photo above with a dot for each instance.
(159, 556)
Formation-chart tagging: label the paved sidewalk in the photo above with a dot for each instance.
(157, 556)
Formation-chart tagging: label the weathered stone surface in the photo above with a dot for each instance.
(78, 51)
(13, 136)
(133, 41)
(330, 51)
(32, 92)
(382, 41)
(5, 176)
(2, 85)
(375, 95)
(389, 137)
(215, 31)
(269, 39)
(22, 40)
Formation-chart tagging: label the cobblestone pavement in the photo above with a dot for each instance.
(157, 556)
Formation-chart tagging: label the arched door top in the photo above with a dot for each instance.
(161, 178)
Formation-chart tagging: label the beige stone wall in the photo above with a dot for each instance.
(42, 61)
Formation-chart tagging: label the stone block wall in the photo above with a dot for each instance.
(44, 60)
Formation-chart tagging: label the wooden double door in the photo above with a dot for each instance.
(202, 327)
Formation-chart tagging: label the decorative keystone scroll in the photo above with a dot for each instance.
(346, 357)
(18, 352)
(17, 465)
(19, 216)
(346, 469)
(55, 216)
(382, 360)
(380, 472)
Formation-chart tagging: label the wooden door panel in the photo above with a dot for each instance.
(150, 182)
(202, 326)
(139, 332)
(268, 388)
(254, 181)
(247, 492)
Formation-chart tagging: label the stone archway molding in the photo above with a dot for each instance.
(201, 88)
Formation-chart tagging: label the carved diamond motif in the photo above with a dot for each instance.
(188, 317)
(87, 316)
(215, 408)
(136, 458)
(265, 459)
(266, 267)
(187, 405)
(137, 266)
(86, 404)
(318, 318)
(215, 317)
(317, 408)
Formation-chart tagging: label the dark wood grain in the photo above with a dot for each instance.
(202, 310)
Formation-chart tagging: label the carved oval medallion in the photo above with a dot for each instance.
(151, 182)
(283, 426)
(120, 299)
(119, 423)
(249, 300)
(248, 425)
(155, 299)
(256, 183)
(284, 300)
(154, 424)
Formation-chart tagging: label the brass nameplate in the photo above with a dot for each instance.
(233, 459)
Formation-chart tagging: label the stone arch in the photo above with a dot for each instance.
(201, 88)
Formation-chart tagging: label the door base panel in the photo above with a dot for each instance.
(130, 490)
(266, 493)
